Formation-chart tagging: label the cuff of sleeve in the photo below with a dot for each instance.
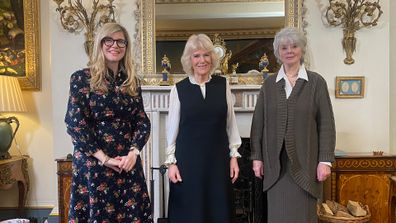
(256, 157)
(234, 153)
(171, 159)
(327, 157)
(327, 163)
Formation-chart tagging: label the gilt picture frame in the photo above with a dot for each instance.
(350, 87)
(20, 42)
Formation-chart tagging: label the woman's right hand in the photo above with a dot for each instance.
(113, 163)
(174, 174)
(258, 168)
(107, 161)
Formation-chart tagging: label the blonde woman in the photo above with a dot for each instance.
(109, 127)
(202, 139)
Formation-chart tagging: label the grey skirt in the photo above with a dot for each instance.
(287, 202)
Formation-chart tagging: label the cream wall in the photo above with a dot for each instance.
(362, 124)
(392, 83)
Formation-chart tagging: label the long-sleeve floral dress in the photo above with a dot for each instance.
(113, 122)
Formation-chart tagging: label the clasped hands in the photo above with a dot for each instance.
(122, 163)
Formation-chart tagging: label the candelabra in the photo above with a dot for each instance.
(74, 17)
(352, 15)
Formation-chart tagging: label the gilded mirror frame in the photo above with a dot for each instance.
(145, 31)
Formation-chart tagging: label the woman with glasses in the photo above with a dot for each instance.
(109, 127)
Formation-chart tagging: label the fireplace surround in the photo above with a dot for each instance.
(250, 201)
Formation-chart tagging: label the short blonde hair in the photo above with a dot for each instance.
(198, 42)
(98, 66)
(290, 35)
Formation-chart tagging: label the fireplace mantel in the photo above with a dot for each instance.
(156, 98)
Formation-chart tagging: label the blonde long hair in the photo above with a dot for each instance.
(98, 66)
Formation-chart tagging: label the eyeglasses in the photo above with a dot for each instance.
(121, 43)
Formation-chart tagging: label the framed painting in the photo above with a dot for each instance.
(349, 87)
(20, 42)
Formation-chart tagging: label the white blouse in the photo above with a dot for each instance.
(234, 139)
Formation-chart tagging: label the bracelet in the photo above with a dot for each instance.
(106, 159)
(135, 150)
(168, 164)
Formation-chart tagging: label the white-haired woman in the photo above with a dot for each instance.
(293, 134)
(106, 120)
(202, 140)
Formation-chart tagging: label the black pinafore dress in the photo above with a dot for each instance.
(202, 153)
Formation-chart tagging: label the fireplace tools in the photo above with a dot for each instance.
(162, 169)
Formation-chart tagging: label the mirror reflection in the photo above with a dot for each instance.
(247, 28)
(146, 44)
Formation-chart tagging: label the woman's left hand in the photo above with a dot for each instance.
(323, 171)
(127, 162)
(234, 169)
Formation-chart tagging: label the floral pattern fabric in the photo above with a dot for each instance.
(113, 122)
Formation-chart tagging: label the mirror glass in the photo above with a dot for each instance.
(243, 24)
(247, 28)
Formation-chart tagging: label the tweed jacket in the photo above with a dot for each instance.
(303, 123)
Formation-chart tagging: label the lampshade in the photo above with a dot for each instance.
(11, 99)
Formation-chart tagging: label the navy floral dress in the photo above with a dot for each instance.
(112, 122)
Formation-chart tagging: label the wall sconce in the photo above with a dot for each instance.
(352, 15)
(74, 17)
(11, 100)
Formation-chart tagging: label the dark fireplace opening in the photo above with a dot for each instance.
(250, 201)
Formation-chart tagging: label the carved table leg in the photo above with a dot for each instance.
(393, 199)
(22, 197)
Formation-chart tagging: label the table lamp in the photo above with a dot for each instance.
(11, 100)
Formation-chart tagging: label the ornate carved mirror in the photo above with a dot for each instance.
(145, 47)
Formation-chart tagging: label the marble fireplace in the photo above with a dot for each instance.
(156, 103)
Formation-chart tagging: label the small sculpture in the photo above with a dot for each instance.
(263, 66)
(166, 65)
(234, 67)
(224, 64)
(378, 153)
(234, 76)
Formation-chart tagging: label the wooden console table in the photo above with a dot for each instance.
(15, 170)
(64, 184)
(365, 178)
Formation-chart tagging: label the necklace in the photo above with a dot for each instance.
(292, 79)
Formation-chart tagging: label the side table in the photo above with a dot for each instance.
(15, 170)
(365, 178)
(64, 184)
